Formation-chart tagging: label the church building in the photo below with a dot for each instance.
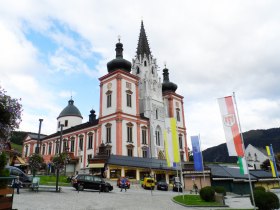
(134, 103)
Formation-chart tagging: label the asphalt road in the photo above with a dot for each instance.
(135, 198)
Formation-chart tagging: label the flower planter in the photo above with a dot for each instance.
(6, 198)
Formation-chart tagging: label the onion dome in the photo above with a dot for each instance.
(166, 85)
(70, 110)
(119, 62)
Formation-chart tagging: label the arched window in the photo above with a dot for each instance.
(129, 132)
(109, 98)
(130, 150)
(137, 70)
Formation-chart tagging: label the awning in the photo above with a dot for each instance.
(96, 165)
(21, 160)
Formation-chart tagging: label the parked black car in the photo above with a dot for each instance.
(177, 186)
(86, 181)
(162, 185)
(23, 177)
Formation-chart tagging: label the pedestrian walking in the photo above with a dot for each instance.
(16, 184)
(123, 184)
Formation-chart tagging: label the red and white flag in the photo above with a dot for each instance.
(230, 123)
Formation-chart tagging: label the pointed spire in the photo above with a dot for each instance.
(143, 45)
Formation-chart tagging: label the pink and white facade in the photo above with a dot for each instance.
(133, 106)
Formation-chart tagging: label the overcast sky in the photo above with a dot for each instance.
(52, 49)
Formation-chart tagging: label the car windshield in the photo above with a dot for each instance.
(150, 181)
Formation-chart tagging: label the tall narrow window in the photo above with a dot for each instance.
(90, 137)
(129, 132)
(180, 141)
(64, 145)
(157, 138)
(89, 157)
(66, 123)
(81, 142)
(130, 152)
(145, 63)
(26, 151)
(108, 132)
(182, 156)
(109, 98)
(50, 148)
(144, 153)
(128, 100)
(144, 136)
(57, 147)
(156, 114)
(178, 114)
(137, 70)
(44, 149)
(72, 144)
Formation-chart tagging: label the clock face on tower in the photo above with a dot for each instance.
(109, 86)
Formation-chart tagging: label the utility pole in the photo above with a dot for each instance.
(38, 139)
(59, 153)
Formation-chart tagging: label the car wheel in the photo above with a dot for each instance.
(81, 187)
(106, 189)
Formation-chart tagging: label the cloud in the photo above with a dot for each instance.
(212, 48)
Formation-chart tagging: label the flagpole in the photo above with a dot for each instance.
(274, 162)
(201, 158)
(249, 176)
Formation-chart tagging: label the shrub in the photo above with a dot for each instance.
(3, 172)
(265, 200)
(207, 194)
(261, 188)
(220, 189)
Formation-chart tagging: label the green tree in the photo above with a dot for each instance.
(10, 116)
(35, 162)
(59, 160)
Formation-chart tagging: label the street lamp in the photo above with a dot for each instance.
(59, 152)
(66, 158)
(37, 151)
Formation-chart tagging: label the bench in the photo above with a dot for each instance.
(35, 184)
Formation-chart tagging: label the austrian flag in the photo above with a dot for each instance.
(230, 123)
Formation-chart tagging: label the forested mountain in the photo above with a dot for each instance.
(257, 138)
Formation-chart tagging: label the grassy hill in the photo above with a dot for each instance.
(257, 138)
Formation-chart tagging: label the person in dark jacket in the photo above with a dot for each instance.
(123, 184)
(16, 184)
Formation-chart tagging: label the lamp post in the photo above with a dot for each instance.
(66, 158)
(59, 153)
(37, 151)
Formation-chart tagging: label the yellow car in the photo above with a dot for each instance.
(148, 183)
